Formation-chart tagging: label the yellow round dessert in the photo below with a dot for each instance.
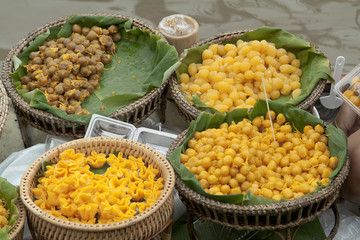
(235, 158)
(230, 76)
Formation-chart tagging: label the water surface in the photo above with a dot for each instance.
(334, 26)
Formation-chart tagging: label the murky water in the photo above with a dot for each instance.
(332, 25)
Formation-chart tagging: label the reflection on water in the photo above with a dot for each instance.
(152, 10)
(331, 25)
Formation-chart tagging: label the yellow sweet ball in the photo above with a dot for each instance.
(213, 48)
(192, 69)
(184, 78)
(225, 189)
(235, 158)
(245, 62)
(333, 162)
(267, 193)
(212, 179)
(221, 107)
(296, 93)
(287, 193)
(207, 54)
(295, 85)
(214, 190)
(204, 183)
(275, 94)
(285, 90)
(284, 59)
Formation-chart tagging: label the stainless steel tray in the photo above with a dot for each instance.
(158, 140)
(108, 127)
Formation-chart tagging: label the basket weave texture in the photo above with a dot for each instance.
(4, 107)
(17, 231)
(141, 226)
(272, 217)
(134, 113)
(189, 112)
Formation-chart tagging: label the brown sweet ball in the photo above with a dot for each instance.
(68, 70)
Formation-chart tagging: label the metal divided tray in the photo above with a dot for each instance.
(158, 140)
(108, 127)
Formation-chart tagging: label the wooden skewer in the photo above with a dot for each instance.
(267, 105)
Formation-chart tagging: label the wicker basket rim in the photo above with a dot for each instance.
(19, 225)
(272, 207)
(169, 184)
(4, 106)
(22, 44)
(180, 99)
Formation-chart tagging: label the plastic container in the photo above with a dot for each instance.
(349, 88)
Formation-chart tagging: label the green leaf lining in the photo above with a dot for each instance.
(315, 66)
(299, 118)
(142, 62)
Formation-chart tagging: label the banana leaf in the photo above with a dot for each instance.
(209, 230)
(9, 195)
(315, 66)
(298, 119)
(142, 62)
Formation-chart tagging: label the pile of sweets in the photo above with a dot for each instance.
(235, 158)
(70, 191)
(230, 76)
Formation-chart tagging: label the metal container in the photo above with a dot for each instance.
(108, 127)
(158, 140)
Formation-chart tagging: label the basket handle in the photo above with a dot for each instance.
(191, 228)
(337, 222)
(32, 232)
(291, 236)
(164, 233)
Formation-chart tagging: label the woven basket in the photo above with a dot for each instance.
(17, 231)
(189, 112)
(142, 226)
(276, 216)
(4, 106)
(134, 113)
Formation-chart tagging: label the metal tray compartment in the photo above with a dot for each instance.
(158, 140)
(108, 127)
